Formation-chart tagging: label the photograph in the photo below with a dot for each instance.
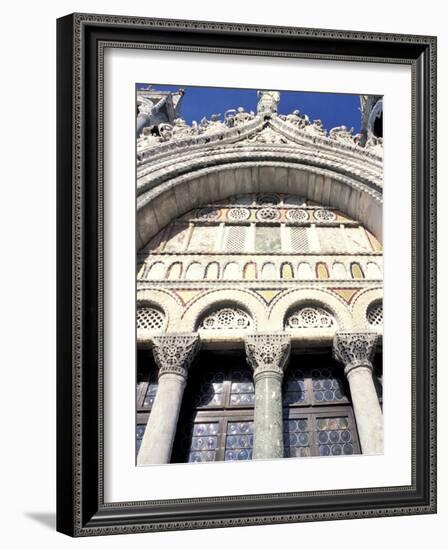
(259, 274)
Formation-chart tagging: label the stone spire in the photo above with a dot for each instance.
(267, 102)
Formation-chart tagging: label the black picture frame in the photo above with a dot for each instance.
(81, 39)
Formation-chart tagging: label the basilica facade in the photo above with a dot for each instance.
(259, 283)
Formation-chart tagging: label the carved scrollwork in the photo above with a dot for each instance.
(174, 353)
(354, 349)
(267, 354)
(310, 317)
(226, 318)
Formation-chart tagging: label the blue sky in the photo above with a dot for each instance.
(332, 109)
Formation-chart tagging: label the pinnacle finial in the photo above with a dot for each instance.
(268, 101)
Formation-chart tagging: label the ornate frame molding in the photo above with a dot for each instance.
(80, 498)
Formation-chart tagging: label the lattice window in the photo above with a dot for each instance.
(323, 215)
(299, 239)
(210, 391)
(226, 318)
(239, 441)
(236, 238)
(310, 317)
(331, 239)
(242, 390)
(204, 442)
(296, 437)
(150, 318)
(139, 432)
(375, 314)
(294, 391)
(334, 436)
(327, 386)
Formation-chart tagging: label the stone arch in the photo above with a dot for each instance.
(287, 271)
(269, 271)
(373, 271)
(327, 300)
(338, 271)
(250, 271)
(248, 301)
(212, 271)
(348, 193)
(304, 271)
(174, 271)
(356, 270)
(322, 271)
(231, 271)
(195, 270)
(156, 270)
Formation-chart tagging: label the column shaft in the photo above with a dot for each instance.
(368, 414)
(173, 354)
(268, 354)
(268, 418)
(355, 351)
(158, 439)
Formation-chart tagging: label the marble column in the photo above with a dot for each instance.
(173, 355)
(355, 350)
(268, 355)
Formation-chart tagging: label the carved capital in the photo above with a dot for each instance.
(267, 354)
(174, 353)
(354, 349)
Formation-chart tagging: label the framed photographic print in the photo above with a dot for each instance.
(246, 274)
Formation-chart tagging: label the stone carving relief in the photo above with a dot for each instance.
(226, 318)
(237, 117)
(267, 353)
(344, 135)
(267, 102)
(310, 317)
(296, 119)
(354, 349)
(316, 128)
(174, 353)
